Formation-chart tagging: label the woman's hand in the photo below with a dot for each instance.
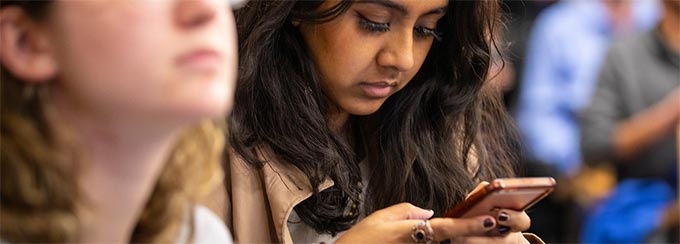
(398, 223)
(509, 227)
(508, 220)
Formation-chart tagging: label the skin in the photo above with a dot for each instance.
(393, 225)
(619, 13)
(146, 42)
(127, 77)
(391, 57)
(361, 63)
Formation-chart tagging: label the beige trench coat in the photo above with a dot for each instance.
(260, 200)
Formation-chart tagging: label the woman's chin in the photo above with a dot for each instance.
(363, 111)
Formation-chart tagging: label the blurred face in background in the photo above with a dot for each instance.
(620, 13)
(167, 60)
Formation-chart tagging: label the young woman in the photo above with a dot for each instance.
(347, 107)
(99, 99)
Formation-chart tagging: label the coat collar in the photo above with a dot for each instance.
(285, 186)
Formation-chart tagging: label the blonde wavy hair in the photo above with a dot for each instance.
(39, 195)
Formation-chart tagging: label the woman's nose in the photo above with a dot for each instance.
(398, 53)
(196, 13)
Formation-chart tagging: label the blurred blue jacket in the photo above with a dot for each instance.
(630, 214)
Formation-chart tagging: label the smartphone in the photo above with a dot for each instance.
(503, 193)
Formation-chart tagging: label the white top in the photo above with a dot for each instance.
(208, 228)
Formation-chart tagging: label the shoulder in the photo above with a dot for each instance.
(243, 166)
(635, 43)
(262, 159)
(631, 49)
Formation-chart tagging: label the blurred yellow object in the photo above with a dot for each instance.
(590, 185)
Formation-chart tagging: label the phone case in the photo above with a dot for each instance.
(505, 193)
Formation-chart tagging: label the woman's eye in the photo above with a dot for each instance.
(371, 26)
(427, 32)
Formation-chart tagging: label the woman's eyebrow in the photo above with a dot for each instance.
(437, 11)
(388, 4)
(401, 9)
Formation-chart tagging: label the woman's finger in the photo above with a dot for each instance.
(440, 229)
(512, 221)
(401, 211)
(447, 228)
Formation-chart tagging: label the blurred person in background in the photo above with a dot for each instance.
(630, 124)
(567, 46)
(106, 131)
(564, 53)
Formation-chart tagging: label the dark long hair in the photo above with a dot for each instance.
(428, 144)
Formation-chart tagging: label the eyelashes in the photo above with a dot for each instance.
(377, 27)
(428, 32)
(373, 26)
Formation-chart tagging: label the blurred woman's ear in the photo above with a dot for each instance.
(25, 50)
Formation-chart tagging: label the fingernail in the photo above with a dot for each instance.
(488, 223)
(503, 216)
(503, 229)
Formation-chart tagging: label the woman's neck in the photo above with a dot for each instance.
(121, 161)
(117, 181)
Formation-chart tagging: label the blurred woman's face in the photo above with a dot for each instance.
(166, 60)
(372, 50)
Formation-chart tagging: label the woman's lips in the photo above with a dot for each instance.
(377, 89)
(200, 60)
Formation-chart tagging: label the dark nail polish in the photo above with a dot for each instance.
(503, 229)
(503, 216)
(488, 223)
